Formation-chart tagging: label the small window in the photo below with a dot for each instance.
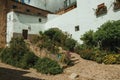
(101, 9)
(14, 6)
(27, 10)
(77, 28)
(40, 20)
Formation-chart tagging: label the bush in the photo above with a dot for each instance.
(56, 35)
(88, 39)
(106, 39)
(94, 55)
(28, 60)
(18, 54)
(48, 66)
(1, 49)
(109, 35)
(78, 48)
(70, 44)
(86, 54)
(51, 39)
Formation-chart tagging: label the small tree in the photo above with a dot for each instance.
(109, 35)
(88, 39)
(70, 44)
(48, 66)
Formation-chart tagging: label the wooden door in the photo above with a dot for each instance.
(25, 34)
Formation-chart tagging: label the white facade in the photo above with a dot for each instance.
(84, 17)
(17, 22)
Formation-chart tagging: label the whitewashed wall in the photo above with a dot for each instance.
(9, 30)
(22, 21)
(52, 16)
(84, 16)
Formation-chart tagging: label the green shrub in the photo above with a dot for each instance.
(56, 35)
(86, 54)
(88, 39)
(48, 66)
(109, 35)
(1, 49)
(78, 48)
(70, 44)
(106, 40)
(8, 57)
(28, 60)
(18, 54)
(99, 59)
(98, 56)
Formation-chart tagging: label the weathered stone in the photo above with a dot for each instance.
(73, 76)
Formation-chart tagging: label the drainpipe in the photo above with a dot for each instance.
(69, 2)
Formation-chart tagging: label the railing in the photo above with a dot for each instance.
(68, 8)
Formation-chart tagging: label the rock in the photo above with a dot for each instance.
(73, 76)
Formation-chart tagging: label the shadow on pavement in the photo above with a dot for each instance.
(10, 74)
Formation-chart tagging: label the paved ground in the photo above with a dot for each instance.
(87, 70)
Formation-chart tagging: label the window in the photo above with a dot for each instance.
(25, 34)
(27, 10)
(40, 20)
(14, 6)
(77, 28)
(116, 5)
(101, 9)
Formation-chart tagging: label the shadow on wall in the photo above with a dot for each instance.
(10, 74)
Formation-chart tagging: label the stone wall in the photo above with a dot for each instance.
(2, 23)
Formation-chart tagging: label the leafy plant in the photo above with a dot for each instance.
(28, 60)
(88, 39)
(86, 54)
(70, 44)
(109, 35)
(78, 48)
(56, 35)
(48, 66)
(18, 54)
